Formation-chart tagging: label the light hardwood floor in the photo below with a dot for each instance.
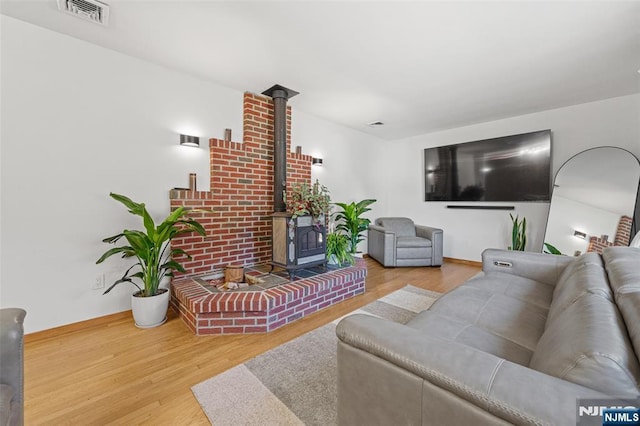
(106, 371)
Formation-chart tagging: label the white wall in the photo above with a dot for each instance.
(79, 121)
(350, 158)
(613, 122)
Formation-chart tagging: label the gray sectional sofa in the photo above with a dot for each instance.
(517, 344)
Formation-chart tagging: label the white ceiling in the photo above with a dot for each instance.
(417, 66)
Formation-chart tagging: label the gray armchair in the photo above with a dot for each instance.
(12, 366)
(397, 241)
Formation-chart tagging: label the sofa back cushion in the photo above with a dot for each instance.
(401, 226)
(623, 268)
(587, 344)
(585, 275)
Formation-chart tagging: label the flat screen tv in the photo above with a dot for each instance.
(509, 168)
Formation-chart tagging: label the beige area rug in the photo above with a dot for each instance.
(295, 383)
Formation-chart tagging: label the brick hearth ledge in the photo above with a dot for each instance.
(244, 312)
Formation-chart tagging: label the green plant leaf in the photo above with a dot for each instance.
(179, 252)
(124, 279)
(192, 226)
(140, 242)
(113, 239)
(115, 250)
(552, 249)
(172, 264)
(134, 208)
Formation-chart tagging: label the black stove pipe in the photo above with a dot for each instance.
(280, 95)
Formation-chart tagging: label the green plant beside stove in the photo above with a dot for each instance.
(338, 249)
(350, 221)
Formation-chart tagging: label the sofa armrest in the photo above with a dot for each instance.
(476, 382)
(427, 231)
(436, 237)
(542, 267)
(12, 359)
(382, 245)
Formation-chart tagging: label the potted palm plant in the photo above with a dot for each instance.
(155, 259)
(350, 221)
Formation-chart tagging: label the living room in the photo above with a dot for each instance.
(82, 119)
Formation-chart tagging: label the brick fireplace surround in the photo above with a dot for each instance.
(238, 226)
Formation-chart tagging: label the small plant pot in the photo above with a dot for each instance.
(149, 312)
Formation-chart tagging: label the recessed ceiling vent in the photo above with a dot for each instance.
(89, 10)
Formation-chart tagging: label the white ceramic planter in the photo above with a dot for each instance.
(151, 311)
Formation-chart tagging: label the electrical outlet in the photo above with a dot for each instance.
(99, 282)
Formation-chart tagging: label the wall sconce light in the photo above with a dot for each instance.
(186, 140)
(316, 161)
(579, 234)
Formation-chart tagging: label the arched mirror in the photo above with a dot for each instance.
(593, 201)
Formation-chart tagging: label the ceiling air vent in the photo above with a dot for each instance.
(89, 10)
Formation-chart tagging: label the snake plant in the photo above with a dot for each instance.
(518, 233)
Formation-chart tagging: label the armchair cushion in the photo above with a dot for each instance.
(412, 242)
(401, 226)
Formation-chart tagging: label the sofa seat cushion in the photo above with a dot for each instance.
(623, 268)
(587, 344)
(515, 320)
(520, 288)
(401, 226)
(434, 324)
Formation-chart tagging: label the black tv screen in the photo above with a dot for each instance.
(510, 168)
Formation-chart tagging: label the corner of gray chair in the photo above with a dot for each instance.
(12, 366)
